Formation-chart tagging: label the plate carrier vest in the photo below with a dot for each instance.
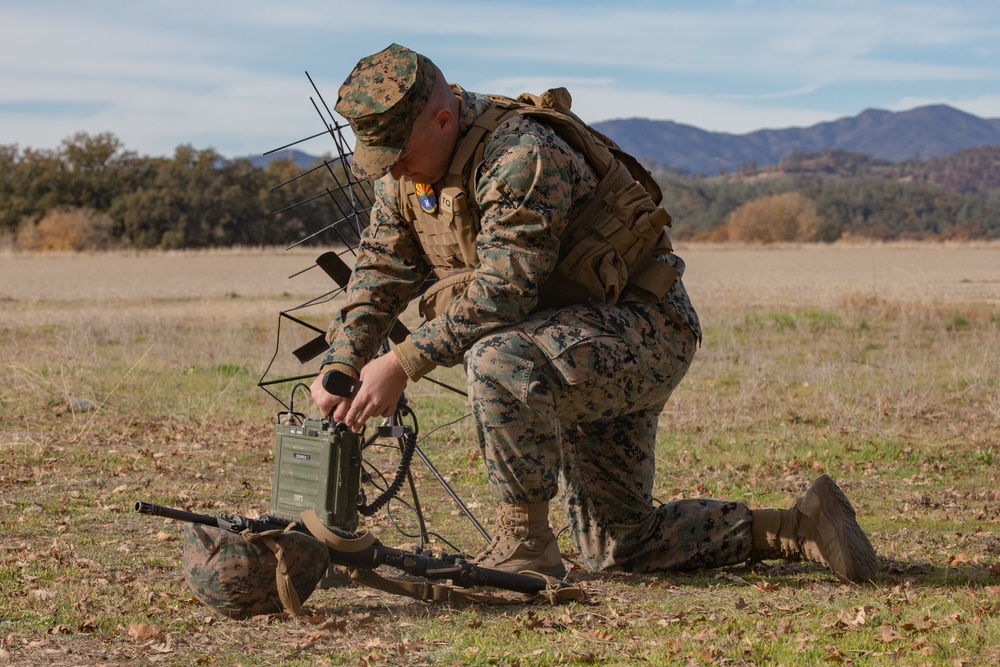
(607, 252)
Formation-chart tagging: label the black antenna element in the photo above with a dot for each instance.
(350, 201)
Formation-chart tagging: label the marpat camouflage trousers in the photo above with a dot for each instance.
(571, 397)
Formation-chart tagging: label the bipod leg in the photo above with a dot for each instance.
(421, 524)
(468, 575)
(451, 492)
(472, 576)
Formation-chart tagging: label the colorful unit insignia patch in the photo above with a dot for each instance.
(426, 197)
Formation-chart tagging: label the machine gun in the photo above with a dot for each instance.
(363, 552)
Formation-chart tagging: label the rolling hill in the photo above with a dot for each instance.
(923, 132)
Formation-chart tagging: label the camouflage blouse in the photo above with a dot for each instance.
(529, 185)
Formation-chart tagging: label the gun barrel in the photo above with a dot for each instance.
(176, 514)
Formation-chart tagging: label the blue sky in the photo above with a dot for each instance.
(230, 75)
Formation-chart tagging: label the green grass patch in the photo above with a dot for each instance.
(890, 401)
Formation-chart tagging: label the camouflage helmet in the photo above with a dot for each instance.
(381, 99)
(238, 577)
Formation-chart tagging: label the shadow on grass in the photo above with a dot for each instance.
(891, 572)
(642, 589)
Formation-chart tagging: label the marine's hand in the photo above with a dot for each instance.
(382, 383)
(324, 400)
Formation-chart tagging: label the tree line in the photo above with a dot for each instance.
(836, 194)
(92, 193)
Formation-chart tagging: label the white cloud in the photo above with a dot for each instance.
(229, 73)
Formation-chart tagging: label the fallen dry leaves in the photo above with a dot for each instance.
(885, 398)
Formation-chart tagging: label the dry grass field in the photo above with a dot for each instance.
(133, 376)
(778, 275)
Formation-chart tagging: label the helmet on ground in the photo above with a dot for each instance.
(239, 577)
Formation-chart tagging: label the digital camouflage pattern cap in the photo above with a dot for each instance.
(381, 99)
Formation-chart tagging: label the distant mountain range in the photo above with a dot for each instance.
(923, 132)
(895, 136)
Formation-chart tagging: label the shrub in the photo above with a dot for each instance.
(789, 216)
(67, 229)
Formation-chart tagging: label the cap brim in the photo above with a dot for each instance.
(373, 162)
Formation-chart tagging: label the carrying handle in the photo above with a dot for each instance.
(340, 383)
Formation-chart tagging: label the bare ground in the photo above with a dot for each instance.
(782, 275)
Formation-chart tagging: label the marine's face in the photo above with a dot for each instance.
(428, 150)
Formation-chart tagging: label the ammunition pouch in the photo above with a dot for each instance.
(614, 240)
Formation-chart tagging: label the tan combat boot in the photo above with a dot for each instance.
(524, 541)
(822, 528)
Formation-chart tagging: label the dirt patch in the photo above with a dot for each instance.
(821, 275)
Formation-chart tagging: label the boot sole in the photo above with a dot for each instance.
(831, 511)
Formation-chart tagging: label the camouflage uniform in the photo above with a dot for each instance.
(564, 396)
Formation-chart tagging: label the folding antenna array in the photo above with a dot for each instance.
(350, 204)
(351, 201)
